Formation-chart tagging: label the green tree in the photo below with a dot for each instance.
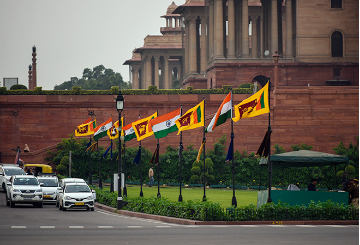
(99, 78)
(18, 86)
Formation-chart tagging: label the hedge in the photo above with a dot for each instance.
(208, 211)
(115, 90)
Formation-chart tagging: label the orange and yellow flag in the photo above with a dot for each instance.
(193, 118)
(113, 132)
(86, 128)
(255, 105)
(143, 128)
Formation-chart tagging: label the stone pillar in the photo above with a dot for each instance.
(211, 29)
(166, 72)
(289, 43)
(274, 27)
(135, 77)
(34, 82)
(231, 27)
(148, 72)
(156, 72)
(254, 38)
(192, 45)
(187, 60)
(30, 77)
(245, 29)
(203, 46)
(219, 31)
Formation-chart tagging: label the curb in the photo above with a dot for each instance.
(197, 222)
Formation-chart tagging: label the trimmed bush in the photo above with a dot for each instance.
(208, 211)
(18, 86)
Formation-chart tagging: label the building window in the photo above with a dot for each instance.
(336, 4)
(337, 44)
(337, 72)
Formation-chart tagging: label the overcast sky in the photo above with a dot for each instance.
(71, 35)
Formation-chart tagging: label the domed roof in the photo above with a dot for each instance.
(171, 8)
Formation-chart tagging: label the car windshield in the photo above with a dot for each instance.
(49, 182)
(14, 171)
(26, 181)
(77, 188)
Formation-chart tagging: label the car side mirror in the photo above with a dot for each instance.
(9, 184)
(1, 174)
(93, 191)
(41, 184)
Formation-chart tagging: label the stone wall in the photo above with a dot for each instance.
(316, 115)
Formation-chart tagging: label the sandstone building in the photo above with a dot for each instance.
(230, 42)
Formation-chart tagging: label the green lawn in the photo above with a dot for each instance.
(221, 196)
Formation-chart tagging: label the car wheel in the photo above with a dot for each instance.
(92, 209)
(7, 201)
(40, 205)
(63, 209)
(3, 186)
(12, 204)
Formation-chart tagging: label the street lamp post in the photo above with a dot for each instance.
(119, 107)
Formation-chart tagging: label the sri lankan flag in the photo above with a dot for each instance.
(193, 118)
(86, 128)
(143, 128)
(113, 132)
(253, 106)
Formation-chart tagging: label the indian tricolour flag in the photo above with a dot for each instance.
(101, 130)
(165, 124)
(223, 113)
(128, 132)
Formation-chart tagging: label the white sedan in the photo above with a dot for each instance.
(76, 195)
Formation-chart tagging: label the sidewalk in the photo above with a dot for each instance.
(197, 222)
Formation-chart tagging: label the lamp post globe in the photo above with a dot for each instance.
(119, 108)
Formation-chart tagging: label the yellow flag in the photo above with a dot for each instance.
(87, 128)
(113, 132)
(255, 105)
(143, 128)
(193, 118)
(200, 150)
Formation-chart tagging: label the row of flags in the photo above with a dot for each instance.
(161, 126)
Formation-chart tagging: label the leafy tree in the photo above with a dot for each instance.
(299, 147)
(99, 78)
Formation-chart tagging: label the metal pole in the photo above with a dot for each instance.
(119, 198)
(100, 180)
(141, 180)
(124, 190)
(233, 201)
(269, 158)
(158, 149)
(90, 174)
(204, 140)
(70, 164)
(112, 169)
(180, 199)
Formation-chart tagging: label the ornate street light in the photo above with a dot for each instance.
(119, 108)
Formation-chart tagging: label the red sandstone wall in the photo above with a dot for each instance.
(290, 74)
(319, 116)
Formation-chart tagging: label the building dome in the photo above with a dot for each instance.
(171, 8)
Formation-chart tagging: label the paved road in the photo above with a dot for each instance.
(28, 225)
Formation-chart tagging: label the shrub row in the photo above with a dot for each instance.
(115, 90)
(208, 211)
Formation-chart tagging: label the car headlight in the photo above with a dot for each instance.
(16, 190)
(90, 197)
(67, 197)
(38, 190)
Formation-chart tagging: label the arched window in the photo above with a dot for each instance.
(337, 44)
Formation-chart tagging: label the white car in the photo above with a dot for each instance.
(63, 182)
(8, 170)
(24, 189)
(76, 195)
(49, 187)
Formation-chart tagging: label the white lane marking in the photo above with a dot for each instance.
(105, 227)
(47, 227)
(76, 227)
(306, 225)
(342, 226)
(18, 227)
(277, 225)
(220, 226)
(163, 226)
(248, 225)
(134, 226)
